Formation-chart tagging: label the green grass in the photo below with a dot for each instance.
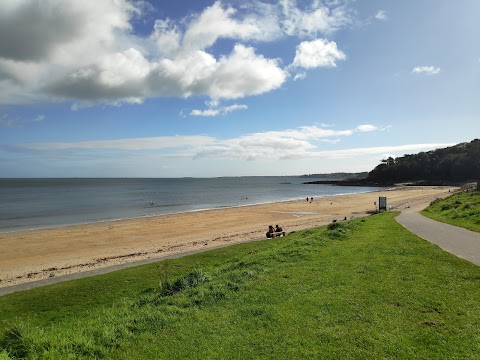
(461, 209)
(361, 289)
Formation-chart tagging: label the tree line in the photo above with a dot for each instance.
(458, 163)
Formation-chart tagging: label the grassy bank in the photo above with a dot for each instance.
(360, 289)
(461, 209)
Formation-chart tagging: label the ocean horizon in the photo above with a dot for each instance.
(36, 203)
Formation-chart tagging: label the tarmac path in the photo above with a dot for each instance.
(456, 240)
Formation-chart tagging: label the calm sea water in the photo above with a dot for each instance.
(40, 203)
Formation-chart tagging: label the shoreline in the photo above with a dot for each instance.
(49, 227)
(32, 255)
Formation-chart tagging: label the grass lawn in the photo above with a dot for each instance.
(361, 289)
(461, 209)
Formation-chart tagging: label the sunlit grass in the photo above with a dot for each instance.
(461, 209)
(360, 289)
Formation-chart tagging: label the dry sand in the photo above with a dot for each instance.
(27, 256)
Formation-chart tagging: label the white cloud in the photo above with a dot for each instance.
(366, 128)
(380, 150)
(214, 109)
(273, 145)
(166, 36)
(301, 142)
(216, 22)
(243, 73)
(132, 144)
(319, 19)
(300, 76)
(381, 15)
(317, 53)
(426, 70)
(206, 112)
(218, 111)
(87, 50)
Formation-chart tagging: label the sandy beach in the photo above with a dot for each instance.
(27, 256)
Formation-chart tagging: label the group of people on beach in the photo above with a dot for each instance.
(274, 232)
(311, 199)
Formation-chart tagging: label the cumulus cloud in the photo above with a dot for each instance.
(216, 22)
(426, 70)
(317, 53)
(88, 52)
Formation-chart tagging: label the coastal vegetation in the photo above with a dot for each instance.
(339, 175)
(461, 209)
(448, 166)
(365, 288)
(459, 163)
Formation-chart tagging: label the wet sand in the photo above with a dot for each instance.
(27, 256)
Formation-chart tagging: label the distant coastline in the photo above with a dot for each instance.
(338, 175)
(364, 182)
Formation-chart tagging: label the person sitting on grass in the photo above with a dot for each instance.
(271, 232)
(279, 230)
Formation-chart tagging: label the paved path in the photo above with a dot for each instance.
(458, 241)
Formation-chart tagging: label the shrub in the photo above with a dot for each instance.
(334, 225)
(192, 280)
(336, 230)
(445, 207)
(14, 342)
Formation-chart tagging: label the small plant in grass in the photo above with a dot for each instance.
(192, 280)
(337, 229)
(14, 341)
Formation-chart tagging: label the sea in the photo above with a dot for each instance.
(45, 203)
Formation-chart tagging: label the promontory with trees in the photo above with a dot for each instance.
(448, 166)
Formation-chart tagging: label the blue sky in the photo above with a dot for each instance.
(105, 88)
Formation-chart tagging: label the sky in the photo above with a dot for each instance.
(194, 88)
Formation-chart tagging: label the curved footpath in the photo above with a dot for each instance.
(456, 240)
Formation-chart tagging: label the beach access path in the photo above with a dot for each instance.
(456, 240)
